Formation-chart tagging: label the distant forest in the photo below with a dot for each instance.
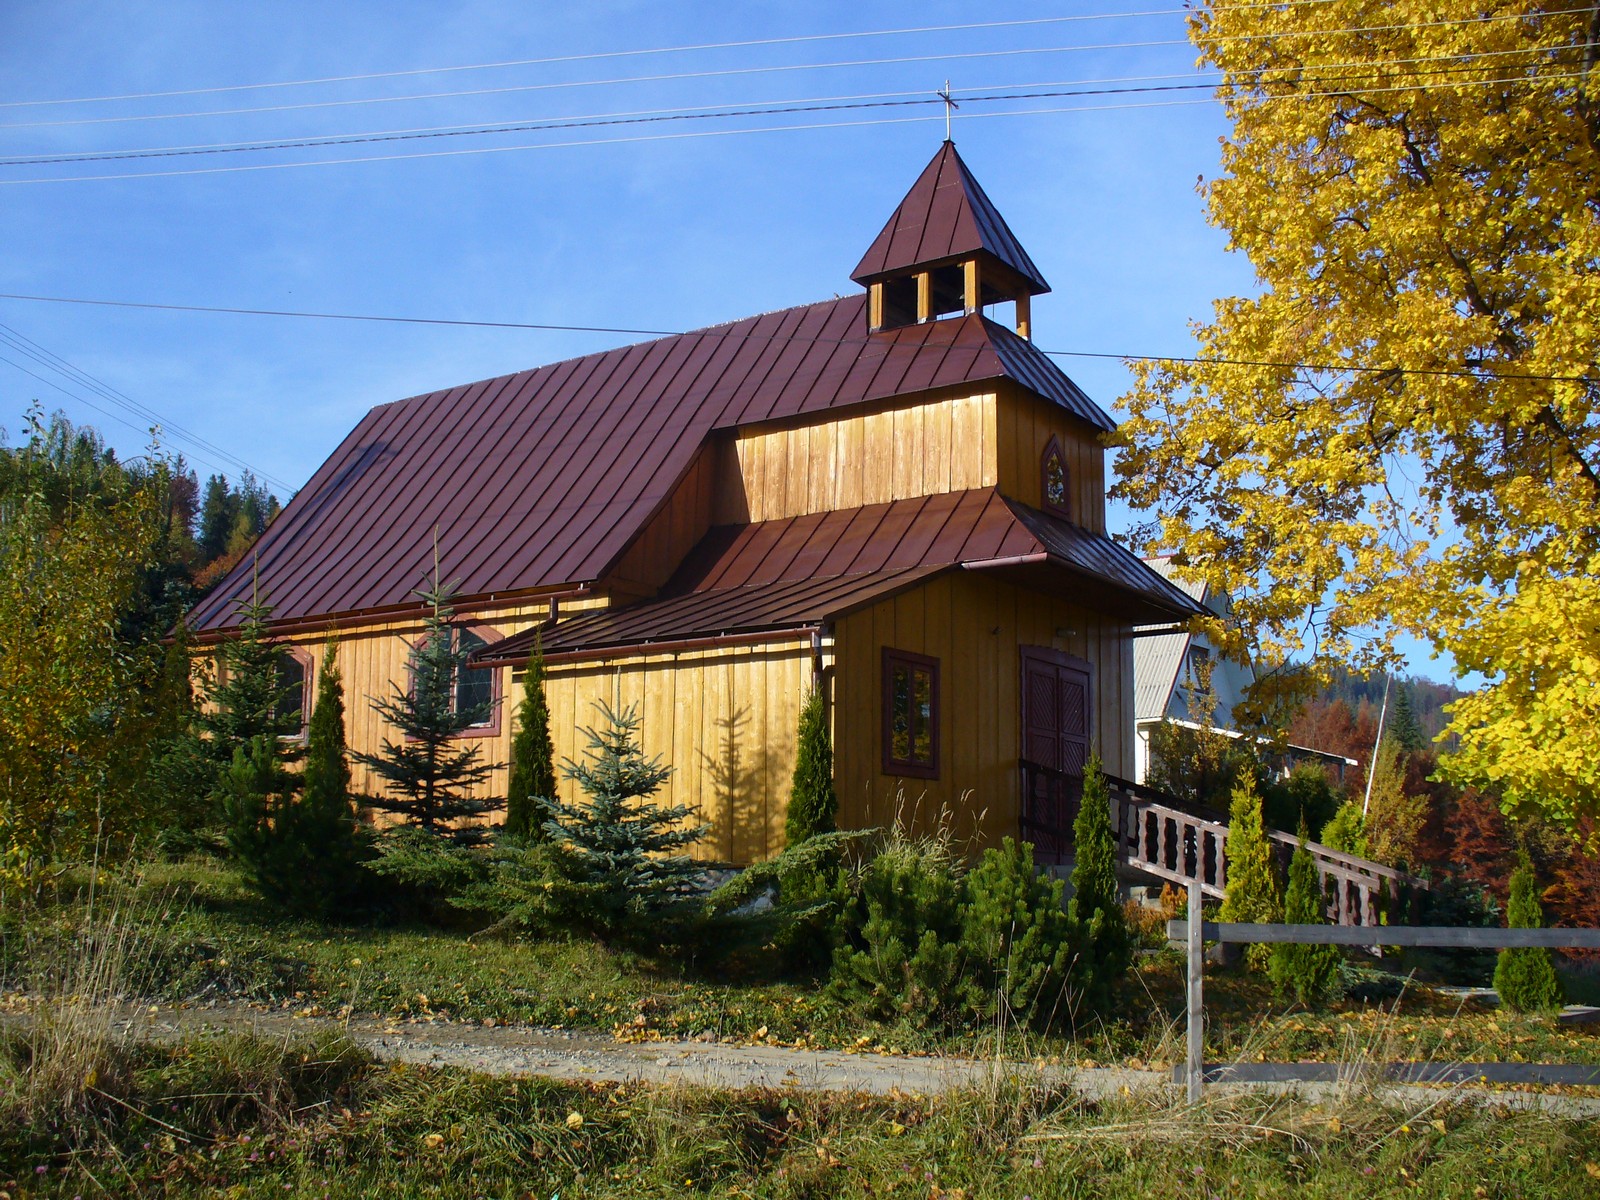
(1343, 719)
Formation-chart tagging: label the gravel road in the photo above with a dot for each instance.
(578, 1056)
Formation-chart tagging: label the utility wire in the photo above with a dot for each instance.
(25, 345)
(730, 332)
(810, 125)
(604, 54)
(105, 412)
(743, 71)
(1457, 62)
(1278, 6)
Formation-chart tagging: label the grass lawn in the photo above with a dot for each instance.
(201, 937)
(235, 1117)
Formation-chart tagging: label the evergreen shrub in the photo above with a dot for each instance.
(532, 786)
(617, 872)
(1525, 976)
(1018, 939)
(1310, 972)
(1252, 880)
(899, 937)
(1100, 927)
(813, 806)
(429, 773)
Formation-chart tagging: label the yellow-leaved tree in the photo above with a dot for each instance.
(1399, 431)
(72, 686)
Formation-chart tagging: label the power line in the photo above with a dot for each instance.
(105, 412)
(728, 331)
(811, 125)
(743, 71)
(604, 54)
(74, 374)
(1458, 62)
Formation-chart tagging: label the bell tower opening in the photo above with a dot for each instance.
(946, 252)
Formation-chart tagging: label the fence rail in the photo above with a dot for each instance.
(1194, 934)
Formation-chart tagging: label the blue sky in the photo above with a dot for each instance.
(655, 230)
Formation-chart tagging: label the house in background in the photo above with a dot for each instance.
(1173, 670)
(889, 495)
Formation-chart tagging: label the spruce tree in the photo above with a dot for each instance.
(246, 699)
(1105, 944)
(1308, 971)
(533, 773)
(621, 876)
(1403, 726)
(813, 805)
(1252, 882)
(1525, 976)
(429, 773)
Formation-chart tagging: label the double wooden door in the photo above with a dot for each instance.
(1057, 703)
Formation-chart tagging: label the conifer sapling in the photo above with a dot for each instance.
(1105, 944)
(1308, 971)
(1525, 976)
(533, 773)
(1252, 882)
(429, 773)
(813, 805)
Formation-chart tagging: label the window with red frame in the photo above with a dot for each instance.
(910, 714)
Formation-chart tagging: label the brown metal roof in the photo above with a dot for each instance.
(543, 478)
(801, 571)
(946, 215)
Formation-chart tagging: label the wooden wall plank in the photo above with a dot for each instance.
(854, 460)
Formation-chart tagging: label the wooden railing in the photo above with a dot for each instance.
(1160, 836)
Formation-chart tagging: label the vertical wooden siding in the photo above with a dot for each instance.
(725, 721)
(668, 536)
(942, 445)
(973, 624)
(1024, 426)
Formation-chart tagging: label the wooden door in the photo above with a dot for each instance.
(1057, 696)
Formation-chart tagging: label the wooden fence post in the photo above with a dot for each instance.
(1196, 1011)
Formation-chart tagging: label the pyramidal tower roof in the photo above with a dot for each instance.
(945, 216)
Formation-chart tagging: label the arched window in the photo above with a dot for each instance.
(1055, 482)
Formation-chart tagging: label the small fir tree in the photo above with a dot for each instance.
(1310, 972)
(813, 805)
(533, 773)
(1018, 939)
(1394, 818)
(618, 872)
(1525, 976)
(245, 699)
(255, 794)
(1252, 883)
(429, 773)
(1105, 944)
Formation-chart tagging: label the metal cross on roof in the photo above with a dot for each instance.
(949, 104)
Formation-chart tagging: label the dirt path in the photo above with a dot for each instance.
(578, 1056)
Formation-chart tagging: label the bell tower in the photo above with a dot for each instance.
(946, 250)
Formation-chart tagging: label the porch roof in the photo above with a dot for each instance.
(786, 575)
